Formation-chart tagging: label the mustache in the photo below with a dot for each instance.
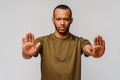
(65, 32)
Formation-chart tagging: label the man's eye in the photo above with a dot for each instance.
(58, 19)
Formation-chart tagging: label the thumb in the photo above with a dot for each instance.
(91, 51)
(38, 45)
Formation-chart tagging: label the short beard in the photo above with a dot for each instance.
(62, 33)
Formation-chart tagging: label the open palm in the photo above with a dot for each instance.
(98, 47)
(28, 47)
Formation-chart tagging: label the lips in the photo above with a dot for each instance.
(62, 28)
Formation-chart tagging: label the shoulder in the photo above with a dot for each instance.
(74, 37)
(42, 38)
(80, 39)
(83, 40)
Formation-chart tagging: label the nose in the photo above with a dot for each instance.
(62, 22)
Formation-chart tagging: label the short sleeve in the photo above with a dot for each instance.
(84, 42)
(37, 40)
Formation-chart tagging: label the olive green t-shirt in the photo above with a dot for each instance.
(61, 58)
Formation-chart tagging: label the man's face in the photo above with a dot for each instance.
(62, 20)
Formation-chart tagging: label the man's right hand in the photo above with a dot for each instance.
(29, 48)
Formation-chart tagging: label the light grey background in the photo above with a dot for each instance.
(91, 17)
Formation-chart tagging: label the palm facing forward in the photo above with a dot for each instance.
(97, 49)
(29, 49)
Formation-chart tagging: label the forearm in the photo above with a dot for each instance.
(86, 50)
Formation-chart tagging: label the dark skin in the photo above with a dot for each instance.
(62, 22)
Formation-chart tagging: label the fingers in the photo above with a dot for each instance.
(29, 37)
(33, 38)
(23, 40)
(98, 40)
(103, 43)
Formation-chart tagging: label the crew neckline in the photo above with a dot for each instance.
(69, 37)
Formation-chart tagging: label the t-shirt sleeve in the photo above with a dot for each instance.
(37, 40)
(84, 42)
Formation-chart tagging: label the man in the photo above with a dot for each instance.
(61, 51)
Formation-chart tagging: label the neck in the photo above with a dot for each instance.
(62, 36)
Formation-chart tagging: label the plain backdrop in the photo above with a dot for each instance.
(91, 17)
